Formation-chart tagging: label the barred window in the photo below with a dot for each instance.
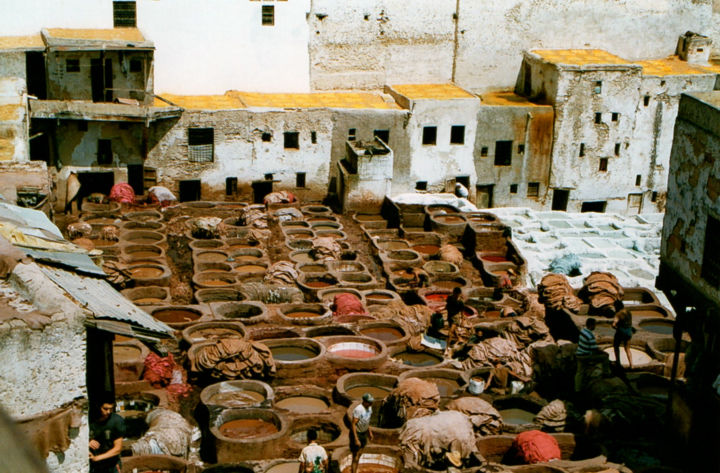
(124, 14)
(201, 145)
(268, 15)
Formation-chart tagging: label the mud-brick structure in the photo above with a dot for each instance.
(690, 258)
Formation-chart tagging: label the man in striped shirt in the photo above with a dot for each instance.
(587, 345)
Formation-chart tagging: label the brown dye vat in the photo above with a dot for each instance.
(250, 268)
(394, 245)
(247, 429)
(286, 467)
(447, 284)
(144, 241)
(303, 258)
(426, 249)
(240, 398)
(302, 314)
(246, 258)
(317, 284)
(302, 404)
(377, 392)
(148, 301)
(175, 315)
(417, 359)
(495, 259)
(126, 353)
(371, 468)
(356, 354)
(299, 235)
(384, 334)
(241, 246)
(516, 416)
(446, 386)
(449, 219)
(313, 268)
(145, 272)
(217, 282)
(379, 297)
(212, 257)
(325, 227)
(644, 314)
(144, 254)
(214, 333)
(99, 242)
(336, 236)
(292, 353)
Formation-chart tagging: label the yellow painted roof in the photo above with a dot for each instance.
(507, 98)
(110, 34)
(579, 57)
(432, 91)
(21, 42)
(201, 102)
(314, 100)
(714, 66)
(671, 66)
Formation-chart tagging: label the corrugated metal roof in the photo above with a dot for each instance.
(78, 261)
(104, 301)
(34, 222)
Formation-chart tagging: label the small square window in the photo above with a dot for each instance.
(615, 116)
(513, 188)
(598, 86)
(268, 176)
(291, 140)
(662, 83)
(313, 140)
(484, 151)
(266, 137)
(135, 65)
(299, 179)
(457, 135)
(421, 186)
(603, 164)
(582, 150)
(521, 149)
(268, 15)
(533, 189)
(653, 197)
(646, 100)
(82, 125)
(429, 135)
(72, 65)
(383, 135)
(124, 14)
(598, 117)
(503, 153)
(617, 149)
(352, 134)
(638, 180)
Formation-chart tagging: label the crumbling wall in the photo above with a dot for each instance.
(693, 189)
(12, 64)
(31, 174)
(77, 147)
(13, 120)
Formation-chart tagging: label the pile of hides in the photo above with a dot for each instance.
(232, 358)
(451, 254)
(161, 195)
(555, 292)
(325, 249)
(168, 434)
(288, 214)
(254, 216)
(526, 330)
(205, 227)
(553, 416)
(159, 369)
(117, 274)
(484, 417)
(282, 272)
(279, 197)
(487, 353)
(415, 319)
(413, 397)
(48, 432)
(78, 230)
(427, 439)
(272, 293)
(534, 446)
(122, 192)
(347, 307)
(109, 233)
(601, 290)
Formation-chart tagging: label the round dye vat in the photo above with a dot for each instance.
(246, 258)
(436, 296)
(247, 429)
(378, 296)
(325, 434)
(285, 467)
(212, 257)
(145, 240)
(302, 314)
(317, 284)
(250, 268)
(99, 242)
(494, 259)
(353, 350)
(451, 219)
(145, 254)
(417, 359)
(492, 314)
(447, 284)
(290, 353)
(143, 272)
(302, 404)
(313, 268)
(393, 245)
(213, 333)
(241, 398)
(447, 387)
(664, 327)
(357, 392)
(325, 227)
(176, 315)
(638, 357)
(216, 282)
(516, 416)
(148, 301)
(384, 334)
(426, 249)
(303, 257)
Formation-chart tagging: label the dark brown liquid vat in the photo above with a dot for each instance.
(247, 429)
(176, 315)
(384, 334)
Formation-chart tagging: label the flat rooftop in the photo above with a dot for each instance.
(508, 99)
(672, 66)
(107, 34)
(432, 91)
(579, 57)
(24, 43)
(233, 100)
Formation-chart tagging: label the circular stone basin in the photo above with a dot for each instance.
(639, 356)
(248, 429)
(136, 252)
(144, 216)
(246, 312)
(328, 331)
(132, 225)
(335, 234)
(98, 242)
(449, 219)
(283, 467)
(659, 326)
(304, 311)
(204, 332)
(428, 250)
(387, 332)
(320, 226)
(222, 294)
(294, 224)
(449, 283)
(295, 234)
(143, 237)
(234, 244)
(299, 244)
(440, 267)
(240, 393)
(251, 267)
(206, 244)
(417, 358)
(321, 218)
(327, 431)
(211, 256)
(320, 282)
(214, 279)
(294, 350)
(516, 416)
(372, 460)
(647, 313)
(380, 296)
(402, 255)
(316, 209)
(353, 350)
(213, 266)
(148, 295)
(301, 256)
(313, 268)
(126, 353)
(303, 404)
(146, 271)
(347, 266)
(448, 381)
(290, 353)
(176, 315)
(387, 245)
(352, 386)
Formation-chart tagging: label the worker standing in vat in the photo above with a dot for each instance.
(360, 428)
(313, 458)
(454, 306)
(106, 435)
(622, 323)
(418, 277)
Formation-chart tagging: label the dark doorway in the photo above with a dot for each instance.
(99, 363)
(40, 141)
(560, 199)
(464, 180)
(384, 136)
(91, 182)
(108, 80)
(231, 185)
(261, 189)
(35, 73)
(136, 178)
(484, 196)
(189, 190)
(96, 80)
(598, 206)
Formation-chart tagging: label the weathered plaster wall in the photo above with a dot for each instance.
(80, 148)
(12, 64)
(693, 189)
(17, 174)
(240, 151)
(714, 31)
(368, 180)
(13, 120)
(528, 126)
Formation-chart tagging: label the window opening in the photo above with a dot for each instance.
(201, 145)
(429, 135)
(503, 153)
(268, 15)
(291, 140)
(653, 197)
(135, 65)
(457, 135)
(266, 137)
(268, 176)
(72, 65)
(710, 270)
(593, 206)
(383, 135)
(421, 186)
(598, 117)
(521, 149)
(638, 180)
(582, 150)
(617, 149)
(533, 189)
(484, 151)
(646, 100)
(104, 155)
(82, 125)
(300, 179)
(513, 188)
(615, 116)
(124, 14)
(603, 164)
(352, 134)
(598, 86)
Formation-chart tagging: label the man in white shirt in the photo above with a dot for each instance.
(313, 458)
(360, 428)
